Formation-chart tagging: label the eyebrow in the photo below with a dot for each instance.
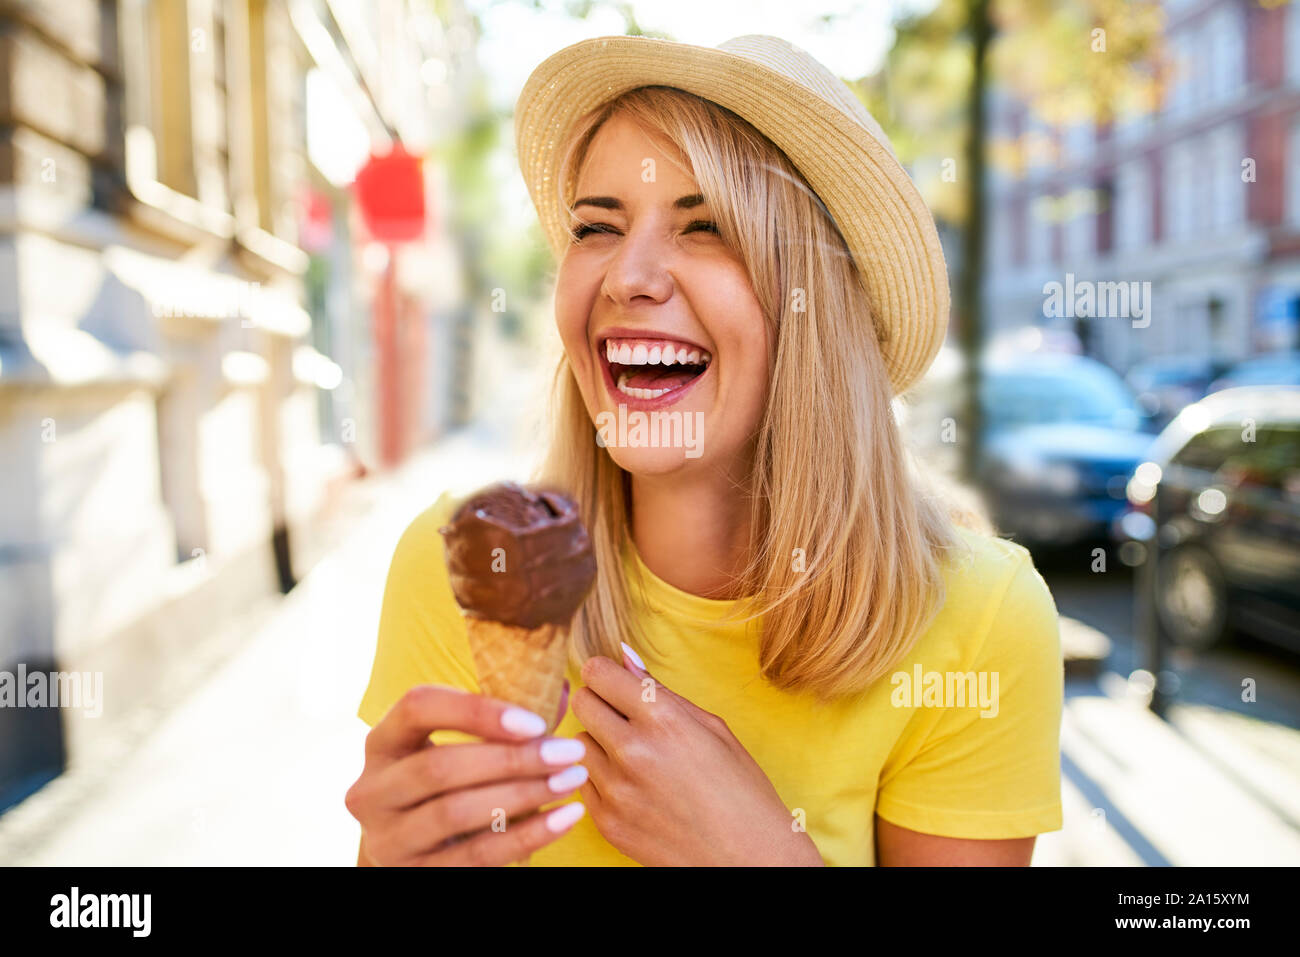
(610, 202)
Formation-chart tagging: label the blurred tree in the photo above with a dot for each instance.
(1068, 61)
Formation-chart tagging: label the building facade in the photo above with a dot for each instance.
(1199, 198)
(188, 317)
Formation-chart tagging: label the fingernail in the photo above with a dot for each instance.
(562, 750)
(636, 659)
(519, 721)
(568, 779)
(563, 818)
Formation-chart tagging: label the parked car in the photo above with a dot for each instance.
(1063, 436)
(1222, 489)
(1165, 384)
(1274, 368)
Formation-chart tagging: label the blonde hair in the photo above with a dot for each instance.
(871, 540)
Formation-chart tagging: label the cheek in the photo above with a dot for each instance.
(574, 294)
(741, 334)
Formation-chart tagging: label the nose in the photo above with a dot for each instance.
(639, 271)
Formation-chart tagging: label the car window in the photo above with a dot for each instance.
(1271, 461)
(1210, 449)
(1080, 394)
(1267, 371)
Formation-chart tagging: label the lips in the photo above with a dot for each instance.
(655, 370)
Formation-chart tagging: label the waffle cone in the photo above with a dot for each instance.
(524, 666)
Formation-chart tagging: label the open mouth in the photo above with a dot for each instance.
(653, 368)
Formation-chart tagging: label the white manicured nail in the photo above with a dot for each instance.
(636, 659)
(563, 818)
(519, 721)
(562, 750)
(568, 779)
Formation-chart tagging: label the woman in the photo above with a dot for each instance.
(792, 653)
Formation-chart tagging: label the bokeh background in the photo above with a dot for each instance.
(270, 282)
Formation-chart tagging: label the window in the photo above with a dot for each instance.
(1086, 392)
(1292, 168)
(1182, 59)
(1132, 125)
(156, 58)
(1225, 33)
(259, 148)
(1039, 239)
(1180, 191)
(1292, 16)
(1132, 205)
(1079, 141)
(257, 92)
(1210, 449)
(1227, 191)
(1270, 462)
(1080, 240)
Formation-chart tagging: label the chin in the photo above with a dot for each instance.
(651, 462)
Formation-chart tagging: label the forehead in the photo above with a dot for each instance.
(618, 154)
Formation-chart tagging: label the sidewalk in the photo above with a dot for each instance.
(252, 767)
(1206, 788)
(249, 762)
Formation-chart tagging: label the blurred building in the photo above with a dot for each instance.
(197, 334)
(1200, 199)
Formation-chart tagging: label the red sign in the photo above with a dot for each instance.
(390, 191)
(315, 221)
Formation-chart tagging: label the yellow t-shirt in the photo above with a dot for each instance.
(939, 770)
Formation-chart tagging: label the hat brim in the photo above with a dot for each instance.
(885, 222)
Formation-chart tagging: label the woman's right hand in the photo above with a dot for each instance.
(424, 804)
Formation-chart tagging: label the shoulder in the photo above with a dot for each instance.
(420, 547)
(418, 602)
(996, 602)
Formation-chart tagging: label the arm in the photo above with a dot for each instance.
(978, 784)
(898, 847)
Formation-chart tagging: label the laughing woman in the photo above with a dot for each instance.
(794, 653)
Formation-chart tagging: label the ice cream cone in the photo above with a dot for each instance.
(524, 666)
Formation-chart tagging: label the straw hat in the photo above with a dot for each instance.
(811, 115)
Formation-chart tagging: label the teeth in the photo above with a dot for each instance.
(656, 354)
(638, 393)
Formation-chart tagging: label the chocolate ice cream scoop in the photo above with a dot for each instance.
(518, 556)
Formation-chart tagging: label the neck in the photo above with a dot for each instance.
(693, 531)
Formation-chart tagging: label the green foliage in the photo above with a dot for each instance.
(1045, 53)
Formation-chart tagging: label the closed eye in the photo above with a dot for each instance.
(585, 229)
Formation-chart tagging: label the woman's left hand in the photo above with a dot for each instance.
(670, 784)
